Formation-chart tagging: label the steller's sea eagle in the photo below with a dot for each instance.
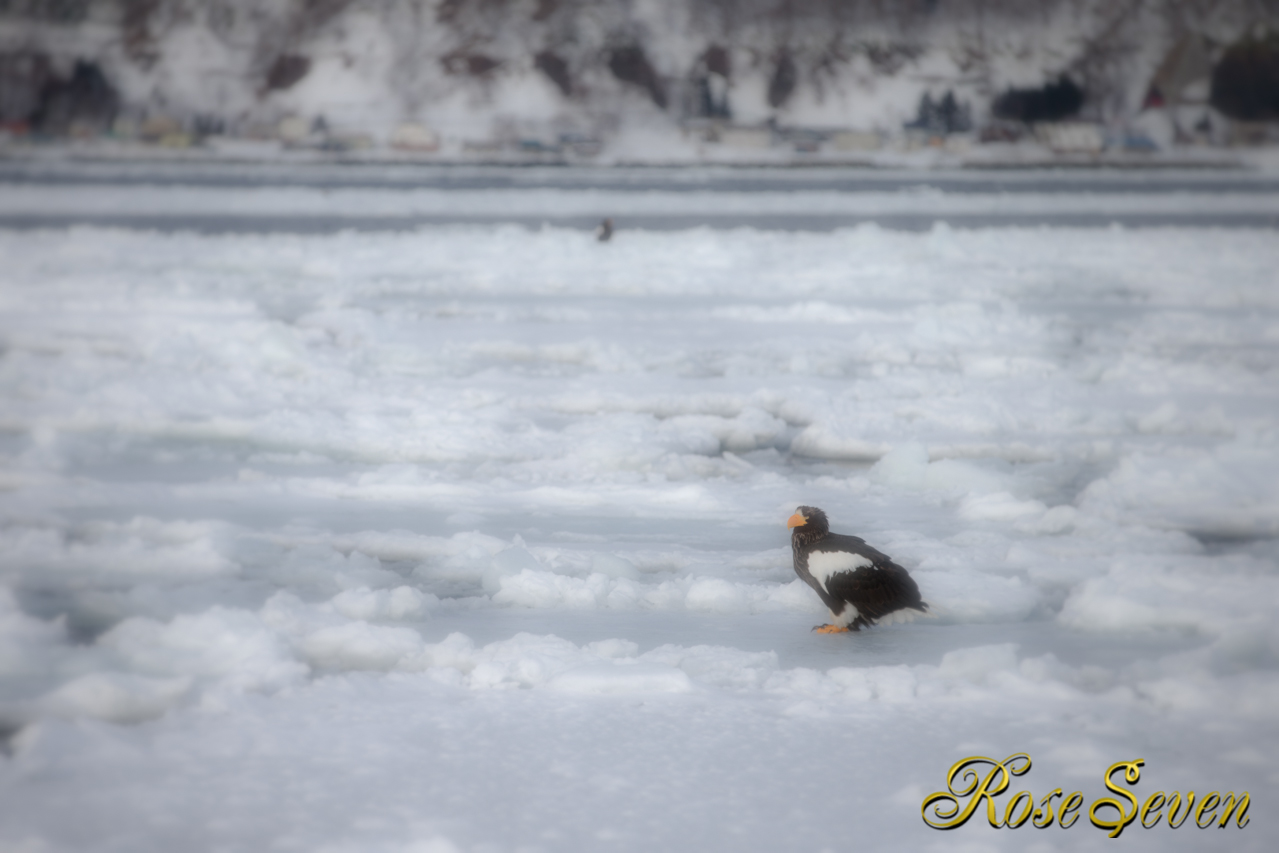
(859, 584)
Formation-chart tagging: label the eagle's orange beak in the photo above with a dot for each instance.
(796, 520)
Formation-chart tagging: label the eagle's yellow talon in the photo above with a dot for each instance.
(830, 629)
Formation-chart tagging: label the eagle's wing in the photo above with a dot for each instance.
(854, 545)
(876, 589)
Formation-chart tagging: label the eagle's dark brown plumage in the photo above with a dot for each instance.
(859, 584)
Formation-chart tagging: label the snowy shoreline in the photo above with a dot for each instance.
(1261, 160)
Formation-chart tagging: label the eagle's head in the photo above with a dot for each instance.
(808, 523)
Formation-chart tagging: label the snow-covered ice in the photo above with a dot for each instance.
(473, 537)
(361, 203)
(298, 197)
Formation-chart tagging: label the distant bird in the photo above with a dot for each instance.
(604, 232)
(859, 584)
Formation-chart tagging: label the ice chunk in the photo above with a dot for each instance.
(977, 663)
(613, 566)
(1000, 506)
(403, 602)
(621, 678)
(326, 570)
(359, 645)
(716, 596)
(116, 697)
(547, 589)
(825, 442)
(964, 595)
(511, 561)
(140, 550)
(229, 646)
(906, 467)
(525, 660)
(1232, 490)
(797, 596)
(903, 467)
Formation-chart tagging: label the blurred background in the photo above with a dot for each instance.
(550, 81)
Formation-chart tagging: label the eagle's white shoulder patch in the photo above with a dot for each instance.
(823, 564)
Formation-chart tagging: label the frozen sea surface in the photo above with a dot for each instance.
(472, 537)
(222, 197)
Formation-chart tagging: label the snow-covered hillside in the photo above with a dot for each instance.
(645, 79)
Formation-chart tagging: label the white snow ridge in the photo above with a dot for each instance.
(472, 538)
